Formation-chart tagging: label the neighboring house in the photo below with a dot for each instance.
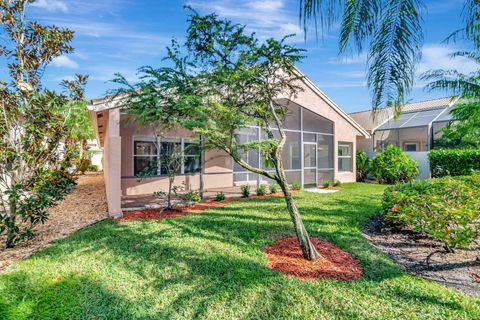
(321, 140)
(415, 130)
(96, 154)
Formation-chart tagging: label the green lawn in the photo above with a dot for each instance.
(211, 265)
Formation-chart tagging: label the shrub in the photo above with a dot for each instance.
(261, 190)
(273, 188)
(391, 165)
(192, 196)
(363, 165)
(326, 184)
(219, 196)
(337, 184)
(447, 209)
(296, 185)
(245, 191)
(83, 165)
(93, 168)
(453, 162)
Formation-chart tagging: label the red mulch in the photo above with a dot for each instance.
(286, 256)
(157, 214)
(180, 211)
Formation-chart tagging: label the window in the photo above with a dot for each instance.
(345, 162)
(191, 151)
(410, 146)
(144, 156)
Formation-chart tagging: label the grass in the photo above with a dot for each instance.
(211, 266)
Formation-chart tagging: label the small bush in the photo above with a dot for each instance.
(391, 165)
(83, 165)
(159, 194)
(363, 165)
(192, 196)
(219, 196)
(337, 184)
(327, 184)
(447, 209)
(296, 185)
(273, 188)
(245, 191)
(93, 168)
(261, 190)
(453, 162)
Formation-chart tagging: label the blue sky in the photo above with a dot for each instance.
(122, 35)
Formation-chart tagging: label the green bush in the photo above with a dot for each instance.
(220, 196)
(93, 168)
(261, 190)
(363, 165)
(83, 165)
(327, 184)
(245, 191)
(391, 165)
(453, 162)
(296, 185)
(192, 196)
(273, 188)
(337, 184)
(447, 209)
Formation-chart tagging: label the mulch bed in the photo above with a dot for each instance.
(459, 270)
(286, 256)
(180, 211)
(85, 205)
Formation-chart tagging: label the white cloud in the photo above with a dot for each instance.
(51, 5)
(356, 59)
(64, 62)
(440, 57)
(343, 84)
(267, 18)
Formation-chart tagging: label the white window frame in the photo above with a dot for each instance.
(350, 146)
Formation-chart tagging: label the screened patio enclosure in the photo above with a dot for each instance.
(308, 154)
(413, 131)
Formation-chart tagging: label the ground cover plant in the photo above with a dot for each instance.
(447, 209)
(212, 266)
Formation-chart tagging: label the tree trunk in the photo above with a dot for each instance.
(11, 232)
(308, 249)
(169, 196)
(202, 165)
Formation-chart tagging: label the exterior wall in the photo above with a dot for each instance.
(217, 170)
(112, 161)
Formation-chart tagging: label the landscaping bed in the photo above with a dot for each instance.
(459, 270)
(85, 205)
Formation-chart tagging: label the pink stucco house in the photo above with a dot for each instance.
(321, 140)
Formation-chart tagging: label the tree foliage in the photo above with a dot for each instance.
(31, 128)
(218, 83)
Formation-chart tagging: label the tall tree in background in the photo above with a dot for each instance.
(221, 81)
(31, 128)
(390, 31)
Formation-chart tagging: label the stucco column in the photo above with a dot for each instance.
(113, 150)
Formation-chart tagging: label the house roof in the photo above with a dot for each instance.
(370, 121)
(109, 102)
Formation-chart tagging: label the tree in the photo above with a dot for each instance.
(217, 84)
(30, 126)
(393, 32)
(464, 129)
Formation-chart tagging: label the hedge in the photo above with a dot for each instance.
(453, 162)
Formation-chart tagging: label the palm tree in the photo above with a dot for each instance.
(464, 131)
(393, 32)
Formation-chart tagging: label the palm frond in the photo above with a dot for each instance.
(326, 12)
(395, 49)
